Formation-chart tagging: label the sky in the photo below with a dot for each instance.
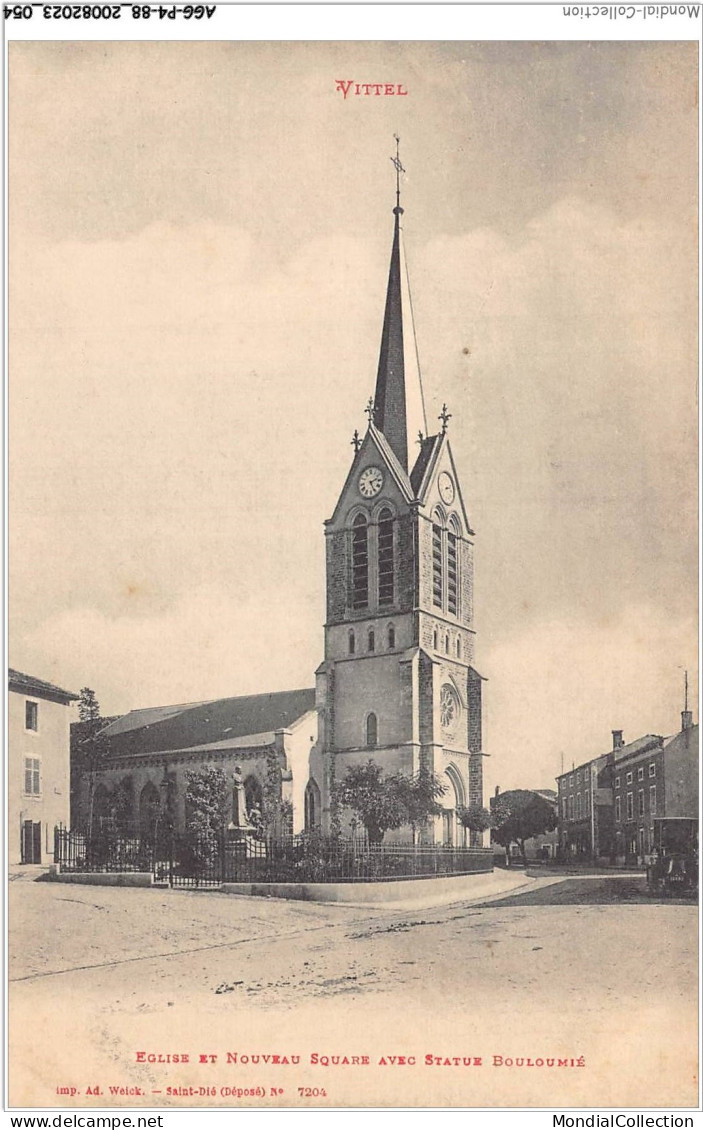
(199, 244)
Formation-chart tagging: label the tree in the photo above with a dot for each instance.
(476, 818)
(419, 795)
(207, 807)
(89, 711)
(207, 799)
(375, 800)
(87, 747)
(518, 815)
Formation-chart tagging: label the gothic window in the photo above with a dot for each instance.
(391, 637)
(313, 806)
(372, 730)
(149, 808)
(385, 558)
(452, 587)
(253, 795)
(372, 640)
(458, 647)
(360, 563)
(352, 642)
(101, 807)
(446, 643)
(437, 590)
(435, 640)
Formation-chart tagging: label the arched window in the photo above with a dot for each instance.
(352, 641)
(360, 563)
(385, 558)
(149, 809)
(435, 639)
(101, 807)
(446, 643)
(437, 587)
(372, 640)
(124, 804)
(458, 647)
(312, 806)
(372, 731)
(452, 574)
(253, 794)
(391, 637)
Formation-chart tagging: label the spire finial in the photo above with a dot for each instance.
(369, 410)
(398, 211)
(356, 441)
(420, 439)
(445, 417)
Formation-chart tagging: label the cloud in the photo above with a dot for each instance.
(207, 645)
(188, 406)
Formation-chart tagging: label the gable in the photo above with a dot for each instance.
(439, 461)
(374, 452)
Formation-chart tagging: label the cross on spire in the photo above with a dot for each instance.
(369, 410)
(445, 417)
(398, 170)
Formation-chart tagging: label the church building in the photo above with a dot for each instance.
(397, 683)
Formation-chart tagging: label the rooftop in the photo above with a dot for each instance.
(195, 724)
(29, 684)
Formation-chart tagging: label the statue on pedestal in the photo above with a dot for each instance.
(239, 826)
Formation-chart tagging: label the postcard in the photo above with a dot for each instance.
(352, 711)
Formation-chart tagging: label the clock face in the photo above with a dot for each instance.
(370, 482)
(449, 708)
(446, 488)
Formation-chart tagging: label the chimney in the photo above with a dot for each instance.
(618, 742)
(686, 719)
(497, 790)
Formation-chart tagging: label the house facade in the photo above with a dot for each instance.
(38, 727)
(585, 807)
(607, 806)
(654, 783)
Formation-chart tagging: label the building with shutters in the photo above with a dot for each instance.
(38, 728)
(607, 806)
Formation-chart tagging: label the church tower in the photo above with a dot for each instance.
(397, 684)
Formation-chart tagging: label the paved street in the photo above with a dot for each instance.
(577, 967)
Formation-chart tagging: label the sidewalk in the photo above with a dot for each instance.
(30, 872)
(412, 894)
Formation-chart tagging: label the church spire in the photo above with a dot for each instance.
(390, 400)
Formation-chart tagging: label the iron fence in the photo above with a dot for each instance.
(304, 859)
(104, 851)
(189, 860)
